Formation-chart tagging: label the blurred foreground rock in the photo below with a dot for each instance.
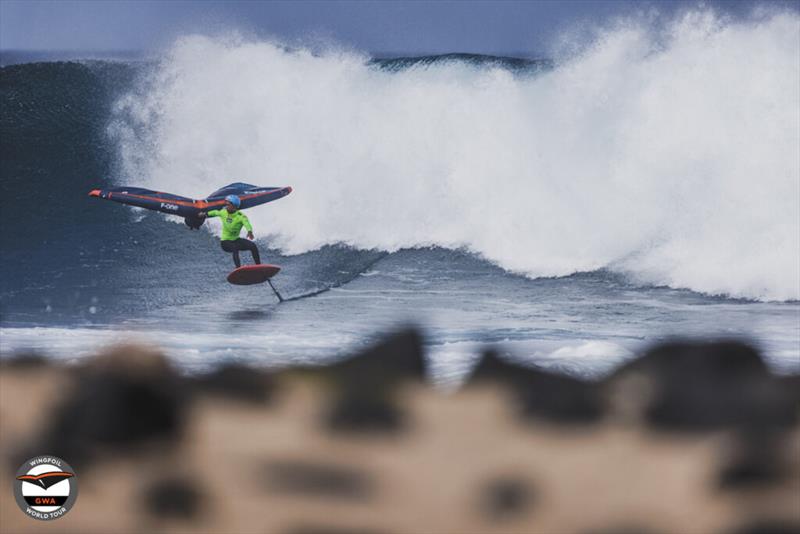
(689, 438)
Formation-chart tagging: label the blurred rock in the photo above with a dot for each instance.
(396, 358)
(507, 498)
(323, 529)
(236, 382)
(121, 400)
(173, 498)
(316, 479)
(24, 360)
(791, 385)
(366, 384)
(517, 449)
(541, 394)
(704, 386)
(365, 413)
(768, 526)
(756, 461)
(622, 529)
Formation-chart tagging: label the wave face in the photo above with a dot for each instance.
(670, 156)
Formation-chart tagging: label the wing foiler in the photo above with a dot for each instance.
(188, 208)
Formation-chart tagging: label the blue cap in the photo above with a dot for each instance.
(233, 199)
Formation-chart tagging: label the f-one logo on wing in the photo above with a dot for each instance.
(45, 487)
(172, 207)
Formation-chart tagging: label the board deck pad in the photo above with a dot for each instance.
(252, 274)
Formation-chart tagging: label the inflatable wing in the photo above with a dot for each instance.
(188, 208)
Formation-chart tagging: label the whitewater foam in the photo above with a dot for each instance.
(671, 157)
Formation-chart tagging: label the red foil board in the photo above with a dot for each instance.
(253, 274)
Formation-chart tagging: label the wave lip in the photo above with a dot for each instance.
(519, 65)
(669, 156)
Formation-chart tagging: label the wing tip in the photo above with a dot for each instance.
(94, 193)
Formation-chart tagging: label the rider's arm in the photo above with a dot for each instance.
(214, 213)
(246, 223)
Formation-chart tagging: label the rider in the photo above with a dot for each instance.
(232, 222)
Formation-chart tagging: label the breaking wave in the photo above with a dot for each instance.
(670, 156)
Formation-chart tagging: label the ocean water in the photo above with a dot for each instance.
(568, 211)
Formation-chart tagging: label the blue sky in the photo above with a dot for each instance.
(418, 27)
